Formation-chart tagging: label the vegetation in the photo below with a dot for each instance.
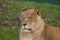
(10, 12)
(56, 2)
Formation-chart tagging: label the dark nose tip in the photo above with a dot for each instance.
(24, 24)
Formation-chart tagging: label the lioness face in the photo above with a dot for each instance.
(29, 19)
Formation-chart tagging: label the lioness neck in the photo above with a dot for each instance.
(38, 34)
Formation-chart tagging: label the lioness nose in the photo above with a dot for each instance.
(24, 24)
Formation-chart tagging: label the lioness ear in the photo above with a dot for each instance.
(23, 9)
(38, 11)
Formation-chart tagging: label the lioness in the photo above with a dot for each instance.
(34, 28)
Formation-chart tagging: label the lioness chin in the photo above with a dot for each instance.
(34, 28)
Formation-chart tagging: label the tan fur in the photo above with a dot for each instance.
(40, 30)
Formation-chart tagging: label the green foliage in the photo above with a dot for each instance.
(56, 2)
(8, 34)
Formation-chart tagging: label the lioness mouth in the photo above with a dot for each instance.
(27, 29)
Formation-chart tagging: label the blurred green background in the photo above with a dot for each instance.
(56, 2)
(10, 12)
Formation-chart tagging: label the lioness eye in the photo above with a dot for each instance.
(30, 17)
(23, 17)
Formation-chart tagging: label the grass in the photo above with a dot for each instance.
(11, 11)
(8, 34)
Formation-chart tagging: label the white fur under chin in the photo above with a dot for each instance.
(24, 30)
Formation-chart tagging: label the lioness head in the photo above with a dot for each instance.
(31, 20)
